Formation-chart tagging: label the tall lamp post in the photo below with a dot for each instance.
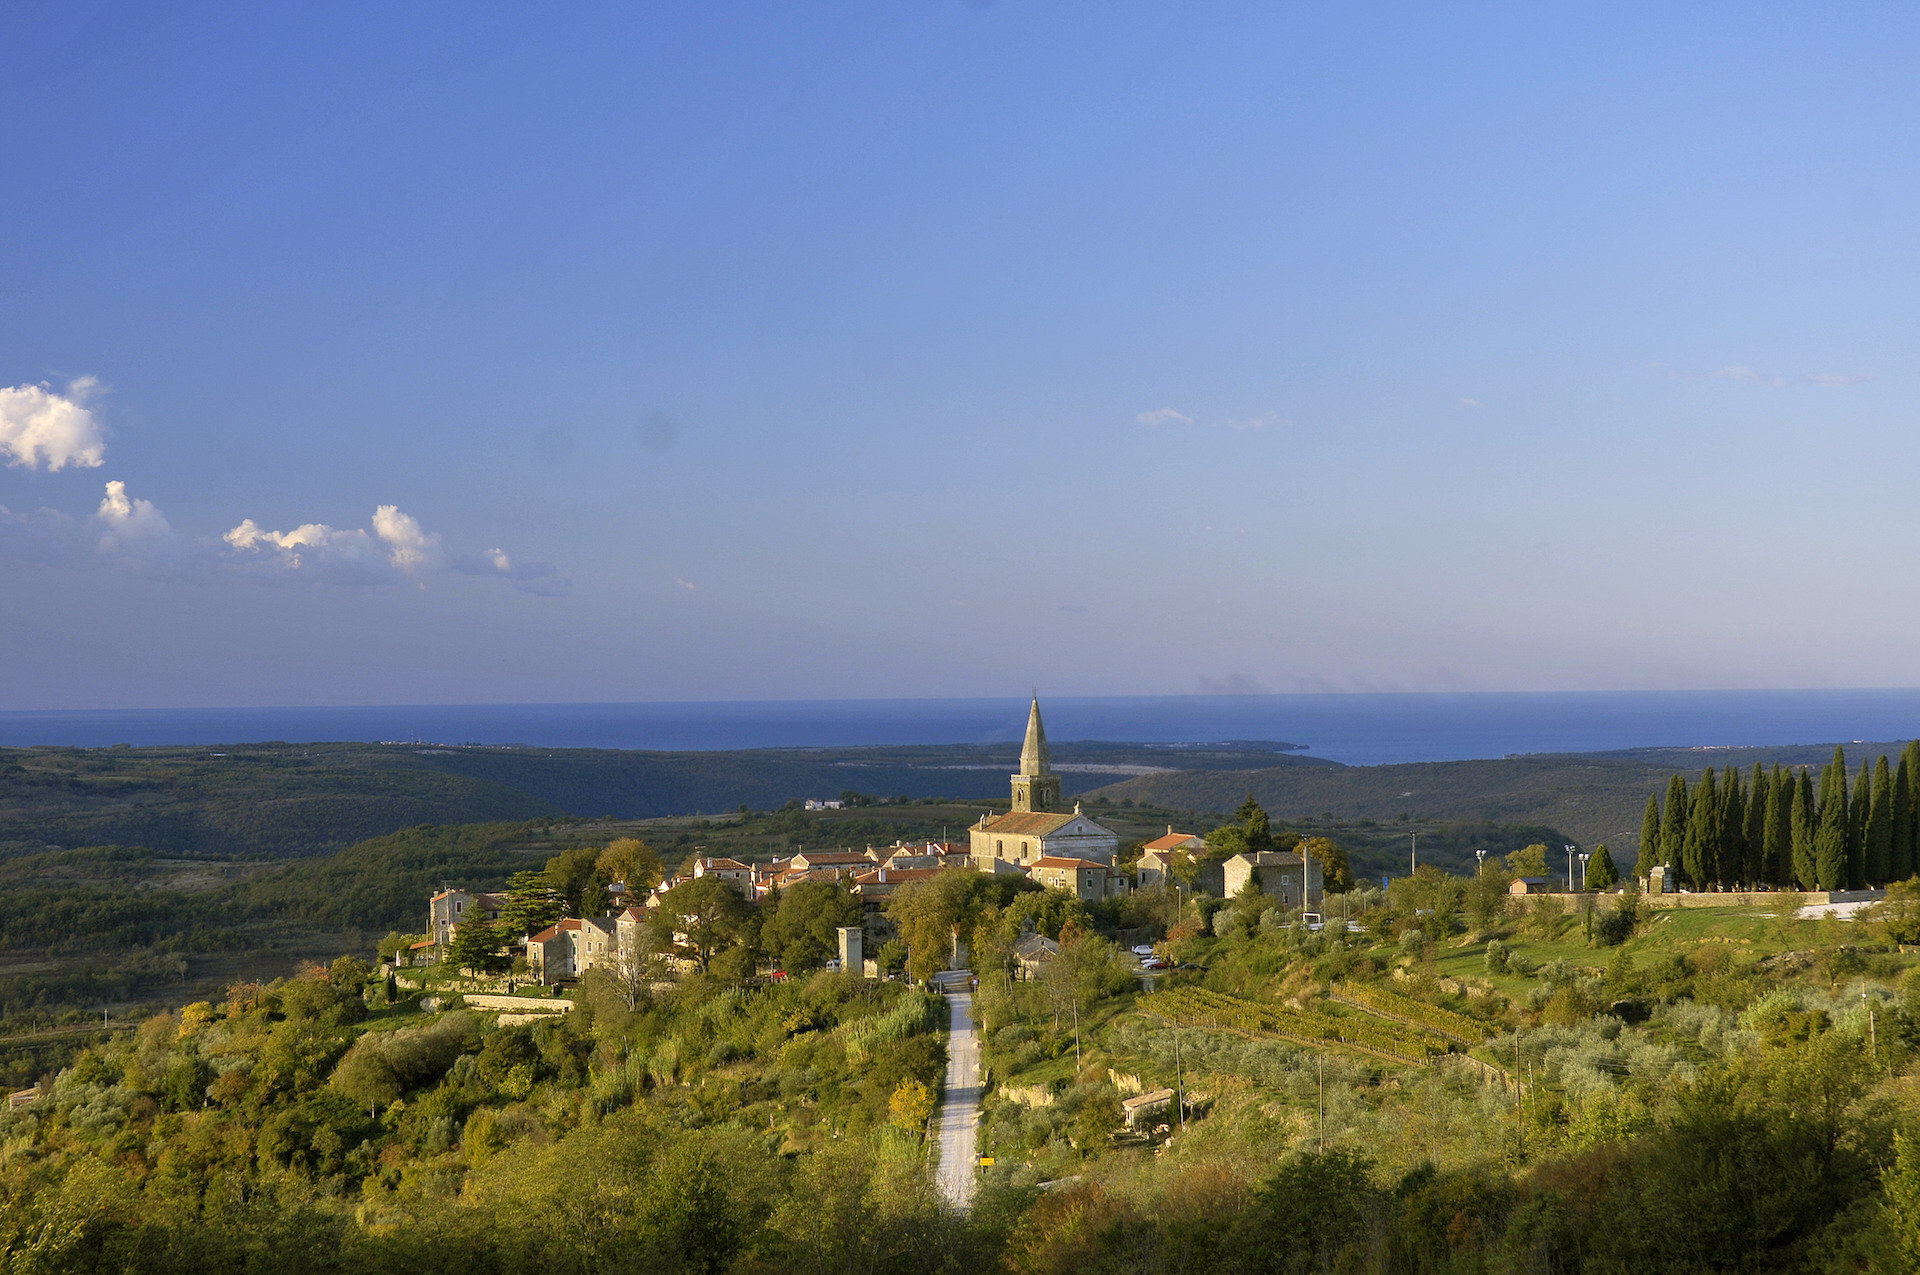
(1584, 856)
(1480, 857)
(1571, 851)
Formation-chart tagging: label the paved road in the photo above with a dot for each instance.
(958, 1125)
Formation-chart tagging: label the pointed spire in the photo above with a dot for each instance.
(1034, 759)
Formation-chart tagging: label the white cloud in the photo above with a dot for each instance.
(395, 549)
(41, 428)
(541, 578)
(1471, 402)
(685, 584)
(131, 526)
(1837, 379)
(1266, 420)
(1741, 372)
(1168, 416)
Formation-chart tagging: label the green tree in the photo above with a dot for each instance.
(1254, 822)
(1700, 852)
(1776, 853)
(1648, 857)
(532, 904)
(1902, 838)
(477, 947)
(1877, 836)
(1529, 861)
(571, 873)
(1336, 875)
(800, 926)
(1753, 841)
(701, 917)
(1832, 830)
(1673, 822)
(1805, 816)
(1601, 874)
(630, 862)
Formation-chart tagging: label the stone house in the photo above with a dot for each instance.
(1277, 873)
(447, 909)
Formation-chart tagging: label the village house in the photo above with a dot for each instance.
(727, 870)
(447, 909)
(569, 948)
(1158, 856)
(1276, 873)
(1083, 878)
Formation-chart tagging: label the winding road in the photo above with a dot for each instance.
(957, 1125)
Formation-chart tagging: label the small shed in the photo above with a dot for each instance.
(1032, 951)
(1528, 885)
(1146, 1108)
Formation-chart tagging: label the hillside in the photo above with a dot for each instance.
(290, 800)
(1591, 797)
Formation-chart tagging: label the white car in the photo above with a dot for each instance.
(1142, 950)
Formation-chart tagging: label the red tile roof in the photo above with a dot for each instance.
(1060, 861)
(1027, 824)
(1172, 841)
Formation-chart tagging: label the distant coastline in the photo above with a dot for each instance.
(1357, 729)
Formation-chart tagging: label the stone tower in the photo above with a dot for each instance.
(1036, 789)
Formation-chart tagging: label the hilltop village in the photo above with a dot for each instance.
(1063, 850)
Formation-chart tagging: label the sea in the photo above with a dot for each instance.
(1357, 729)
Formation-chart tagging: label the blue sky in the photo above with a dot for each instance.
(812, 350)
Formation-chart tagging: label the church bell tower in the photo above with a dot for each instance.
(1036, 789)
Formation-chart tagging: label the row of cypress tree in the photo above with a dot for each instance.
(1781, 828)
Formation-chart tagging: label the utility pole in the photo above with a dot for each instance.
(1321, 1054)
(1571, 850)
(1413, 856)
(1179, 1080)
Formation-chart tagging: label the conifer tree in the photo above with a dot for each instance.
(1877, 841)
(1649, 838)
(1779, 834)
(1753, 865)
(1601, 874)
(1901, 865)
(1700, 847)
(1805, 818)
(1859, 805)
(1833, 827)
(1673, 822)
(1732, 851)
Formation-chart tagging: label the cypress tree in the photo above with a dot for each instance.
(1673, 822)
(1777, 832)
(1601, 874)
(1907, 830)
(1700, 851)
(1862, 803)
(1831, 833)
(1649, 838)
(1753, 868)
(1733, 832)
(1877, 843)
(1901, 866)
(1805, 822)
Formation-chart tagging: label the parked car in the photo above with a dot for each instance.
(1143, 949)
(1152, 963)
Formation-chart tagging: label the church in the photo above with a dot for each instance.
(1035, 828)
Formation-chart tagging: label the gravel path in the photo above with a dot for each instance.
(957, 1127)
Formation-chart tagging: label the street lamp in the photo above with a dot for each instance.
(1584, 856)
(1571, 851)
(1480, 856)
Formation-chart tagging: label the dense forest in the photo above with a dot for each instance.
(1779, 827)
